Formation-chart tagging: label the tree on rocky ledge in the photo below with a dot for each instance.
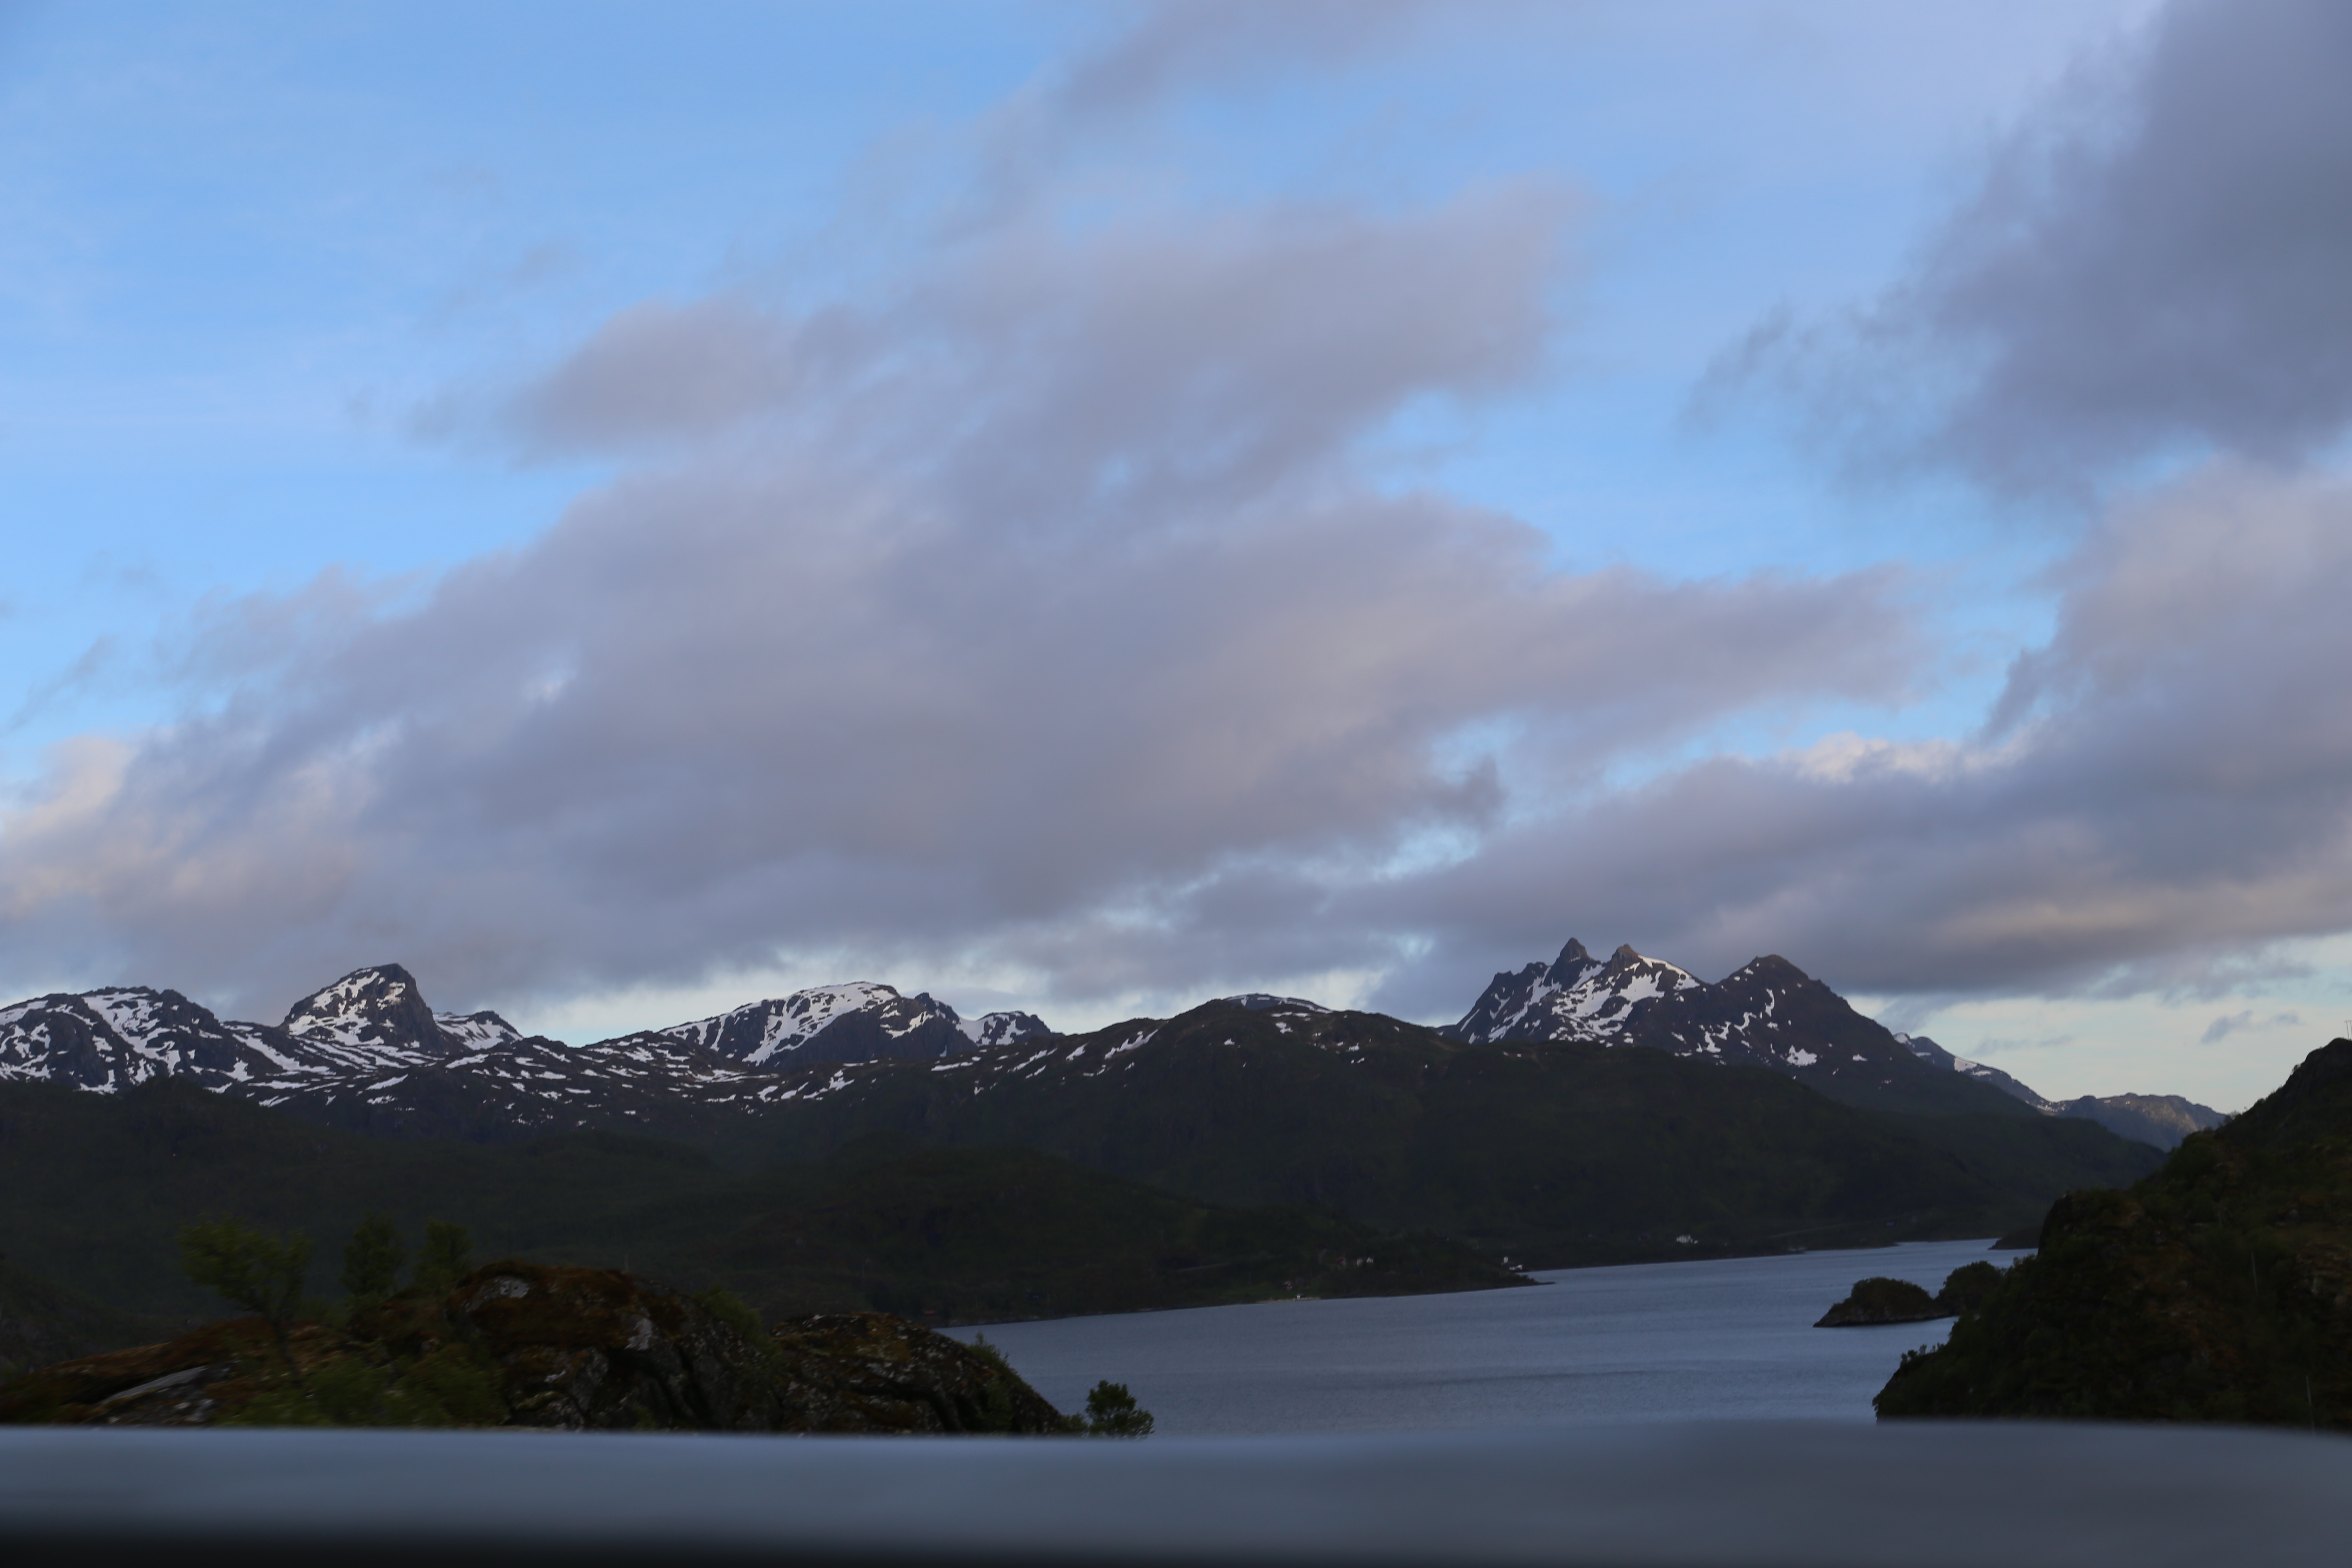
(249, 1269)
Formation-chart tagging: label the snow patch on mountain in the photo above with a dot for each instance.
(475, 1030)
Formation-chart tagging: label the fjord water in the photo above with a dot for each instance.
(1655, 1342)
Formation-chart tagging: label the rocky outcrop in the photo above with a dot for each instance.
(528, 1345)
(869, 1372)
(1881, 1301)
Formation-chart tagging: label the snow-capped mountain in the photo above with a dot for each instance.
(853, 1023)
(1770, 1013)
(1575, 997)
(367, 1052)
(107, 1040)
(1767, 1013)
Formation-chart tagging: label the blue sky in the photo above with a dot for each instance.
(626, 508)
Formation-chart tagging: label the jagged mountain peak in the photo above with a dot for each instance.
(1576, 997)
(377, 1008)
(1767, 1013)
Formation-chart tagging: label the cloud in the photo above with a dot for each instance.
(2168, 790)
(658, 371)
(2223, 1027)
(1045, 608)
(1168, 47)
(2153, 263)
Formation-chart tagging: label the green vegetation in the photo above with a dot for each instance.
(1965, 1287)
(261, 1273)
(372, 1259)
(102, 1186)
(1112, 1412)
(448, 1254)
(961, 1235)
(1883, 1300)
(2219, 1288)
(522, 1344)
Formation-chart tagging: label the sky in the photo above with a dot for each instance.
(627, 510)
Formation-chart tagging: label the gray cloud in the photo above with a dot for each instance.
(1183, 42)
(2228, 1024)
(2168, 789)
(659, 371)
(2156, 259)
(1039, 610)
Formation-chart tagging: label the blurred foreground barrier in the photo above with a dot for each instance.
(2014, 1495)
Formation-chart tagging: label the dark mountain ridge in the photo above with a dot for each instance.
(1552, 1153)
(367, 1053)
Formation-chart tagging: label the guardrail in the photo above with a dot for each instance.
(2016, 1495)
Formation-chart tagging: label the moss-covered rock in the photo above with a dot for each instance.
(531, 1345)
(2219, 1288)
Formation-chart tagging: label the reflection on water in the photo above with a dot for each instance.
(1645, 1343)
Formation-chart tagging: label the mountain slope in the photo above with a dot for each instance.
(985, 1235)
(98, 1186)
(2162, 1120)
(1553, 1152)
(2219, 1289)
(42, 1321)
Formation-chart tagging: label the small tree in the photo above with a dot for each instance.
(261, 1273)
(372, 1259)
(1111, 1412)
(446, 1257)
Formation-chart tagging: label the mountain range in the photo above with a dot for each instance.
(367, 1052)
(1584, 1110)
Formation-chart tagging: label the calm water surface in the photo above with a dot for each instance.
(1652, 1341)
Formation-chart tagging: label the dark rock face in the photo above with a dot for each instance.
(1881, 1301)
(869, 1372)
(528, 1345)
(2219, 1289)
